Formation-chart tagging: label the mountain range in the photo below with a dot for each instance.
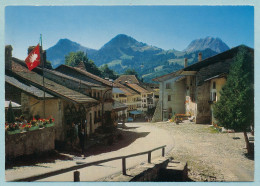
(123, 52)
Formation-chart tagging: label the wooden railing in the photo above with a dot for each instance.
(76, 173)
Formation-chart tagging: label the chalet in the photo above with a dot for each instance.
(193, 89)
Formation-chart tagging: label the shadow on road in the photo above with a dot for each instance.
(128, 137)
(33, 160)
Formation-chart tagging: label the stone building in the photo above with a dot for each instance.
(81, 99)
(142, 96)
(102, 92)
(193, 89)
(26, 88)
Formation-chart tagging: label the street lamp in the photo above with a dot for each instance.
(103, 99)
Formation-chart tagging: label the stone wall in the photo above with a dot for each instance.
(157, 113)
(12, 93)
(28, 143)
(203, 106)
(203, 89)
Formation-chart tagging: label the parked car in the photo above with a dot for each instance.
(130, 119)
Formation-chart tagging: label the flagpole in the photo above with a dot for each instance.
(43, 78)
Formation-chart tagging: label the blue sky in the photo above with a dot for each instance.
(166, 27)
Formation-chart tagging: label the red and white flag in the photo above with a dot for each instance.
(34, 58)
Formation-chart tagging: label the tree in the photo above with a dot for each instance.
(130, 72)
(235, 109)
(74, 58)
(107, 72)
(48, 65)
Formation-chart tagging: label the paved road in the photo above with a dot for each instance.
(145, 137)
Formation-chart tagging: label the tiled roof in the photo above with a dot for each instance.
(50, 86)
(88, 74)
(137, 88)
(117, 91)
(128, 91)
(72, 78)
(167, 76)
(26, 87)
(56, 73)
(128, 78)
(217, 58)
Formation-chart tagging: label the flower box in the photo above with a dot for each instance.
(49, 125)
(33, 128)
(13, 132)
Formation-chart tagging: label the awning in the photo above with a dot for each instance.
(117, 106)
(14, 105)
(135, 112)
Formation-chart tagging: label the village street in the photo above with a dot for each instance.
(211, 156)
(142, 137)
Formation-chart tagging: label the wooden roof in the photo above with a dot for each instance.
(50, 86)
(88, 74)
(128, 78)
(137, 88)
(26, 86)
(229, 54)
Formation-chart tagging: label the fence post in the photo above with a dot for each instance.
(163, 151)
(149, 156)
(123, 166)
(76, 176)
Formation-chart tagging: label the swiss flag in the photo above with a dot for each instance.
(34, 58)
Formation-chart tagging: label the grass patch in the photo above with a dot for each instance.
(213, 130)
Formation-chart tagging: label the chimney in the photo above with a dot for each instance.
(42, 52)
(8, 57)
(200, 56)
(185, 62)
(81, 65)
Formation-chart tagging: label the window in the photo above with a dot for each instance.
(213, 96)
(214, 85)
(168, 85)
(169, 97)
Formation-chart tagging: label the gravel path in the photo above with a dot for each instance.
(211, 156)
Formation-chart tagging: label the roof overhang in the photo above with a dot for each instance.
(188, 73)
(223, 75)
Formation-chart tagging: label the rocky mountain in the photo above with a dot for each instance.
(122, 48)
(215, 44)
(123, 52)
(56, 54)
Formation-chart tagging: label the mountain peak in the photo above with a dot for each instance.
(215, 44)
(122, 41)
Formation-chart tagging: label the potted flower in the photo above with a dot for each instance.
(13, 128)
(34, 125)
(49, 122)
